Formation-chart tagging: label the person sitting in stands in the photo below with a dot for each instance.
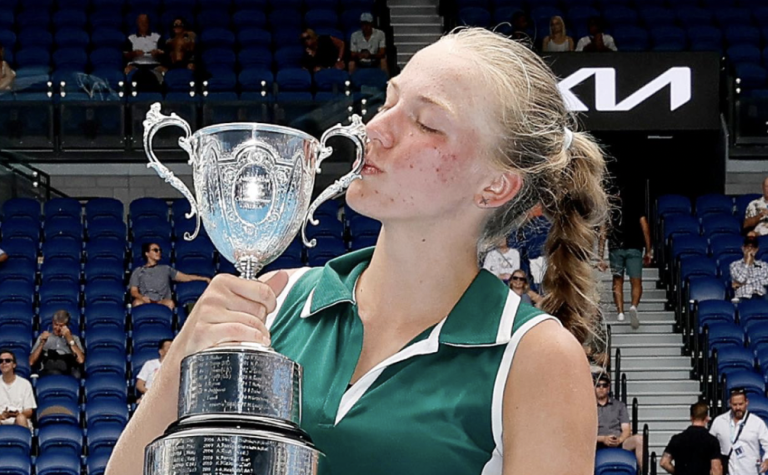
(180, 49)
(17, 401)
(151, 283)
(613, 422)
(150, 368)
(142, 48)
(7, 75)
(321, 52)
(557, 41)
(58, 351)
(756, 215)
(519, 285)
(368, 46)
(596, 40)
(749, 275)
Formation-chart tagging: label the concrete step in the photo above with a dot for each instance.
(411, 47)
(646, 305)
(606, 294)
(669, 397)
(658, 439)
(407, 3)
(649, 273)
(656, 374)
(663, 349)
(400, 18)
(636, 339)
(649, 317)
(413, 9)
(404, 30)
(674, 424)
(645, 363)
(646, 327)
(645, 411)
(648, 284)
(659, 387)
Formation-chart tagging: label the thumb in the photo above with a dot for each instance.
(278, 282)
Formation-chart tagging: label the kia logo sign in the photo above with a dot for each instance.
(641, 91)
(678, 79)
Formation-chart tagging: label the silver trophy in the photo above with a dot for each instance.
(240, 405)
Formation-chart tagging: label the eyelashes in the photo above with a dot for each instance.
(421, 126)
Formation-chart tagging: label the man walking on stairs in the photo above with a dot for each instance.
(694, 451)
(628, 235)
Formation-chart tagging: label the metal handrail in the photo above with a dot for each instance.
(653, 463)
(624, 388)
(646, 433)
(617, 375)
(609, 347)
(635, 412)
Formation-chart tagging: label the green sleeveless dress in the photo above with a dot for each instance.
(432, 408)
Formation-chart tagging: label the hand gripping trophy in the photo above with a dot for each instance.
(240, 404)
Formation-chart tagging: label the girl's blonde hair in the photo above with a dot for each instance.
(562, 22)
(560, 170)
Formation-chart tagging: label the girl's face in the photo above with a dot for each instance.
(425, 160)
(556, 25)
(517, 280)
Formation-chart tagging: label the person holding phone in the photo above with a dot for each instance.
(58, 351)
(17, 401)
(750, 276)
(613, 429)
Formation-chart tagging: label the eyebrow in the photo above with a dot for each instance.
(427, 99)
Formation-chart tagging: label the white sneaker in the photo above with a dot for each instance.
(634, 321)
(620, 317)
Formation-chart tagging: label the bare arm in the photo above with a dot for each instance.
(666, 463)
(716, 467)
(27, 413)
(750, 223)
(555, 431)
(182, 277)
(3, 257)
(35, 356)
(136, 294)
(340, 45)
(141, 386)
(231, 309)
(626, 433)
(646, 234)
(79, 355)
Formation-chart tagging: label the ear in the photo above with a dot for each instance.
(504, 187)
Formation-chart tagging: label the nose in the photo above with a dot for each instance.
(381, 128)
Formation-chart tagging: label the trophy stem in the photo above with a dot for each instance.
(248, 266)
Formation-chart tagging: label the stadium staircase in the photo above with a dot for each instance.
(658, 374)
(416, 24)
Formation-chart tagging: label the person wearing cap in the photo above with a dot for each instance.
(368, 46)
(756, 214)
(613, 429)
(694, 451)
(749, 275)
(741, 437)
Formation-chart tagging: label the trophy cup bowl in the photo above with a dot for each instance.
(239, 405)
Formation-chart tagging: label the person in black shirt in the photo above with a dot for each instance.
(321, 52)
(694, 451)
(628, 235)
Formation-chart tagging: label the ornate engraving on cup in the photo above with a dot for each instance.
(229, 452)
(241, 380)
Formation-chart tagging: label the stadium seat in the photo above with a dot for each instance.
(705, 38)
(689, 245)
(21, 250)
(692, 266)
(751, 76)
(104, 290)
(255, 37)
(106, 249)
(325, 250)
(20, 229)
(105, 411)
(60, 439)
(17, 313)
(12, 291)
(59, 270)
(706, 288)
(678, 225)
(105, 314)
(363, 226)
(58, 388)
(288, 58)
(752, 309)
(331, 80)
(20, 270)
(710, 311)
(372, 78)
(731, 359)
(151, 315)
(106, 387)
(57, 464)
(729, 16)
(35, 37)
(105, 361)
(101, 441)
(317, 18)
(149, 336)
(615, 462)
(668, 38)
(15, 464)
(246, 19)
(690, 16)
(723, 335)
(103, 208)
(218, 38)
(97, 462)
(72, 38)
(632, 38)
(105, 338)
(712, 204)
(668, 205)
(151, 228)
(104, 270)
(141, 207)
(718, 225)
(111, 228)
(57, 412)
(188, 292)
(752, 382)
(66, 248)
(743, 54)
(21, 207)
(59, 293)
(179, 80)
(758, 405)
(726, 244)
(15, 440)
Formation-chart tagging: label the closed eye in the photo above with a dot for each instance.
(426, 129)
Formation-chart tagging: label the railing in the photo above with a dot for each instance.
(653, 463)
(635, 412)
(609, 348)
(617, 375)
(646, 434)
(19, 179)
(623, 394)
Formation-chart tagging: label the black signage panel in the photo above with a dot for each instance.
(641, 91)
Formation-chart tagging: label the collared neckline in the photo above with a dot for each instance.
(475, 320)
(609, 403)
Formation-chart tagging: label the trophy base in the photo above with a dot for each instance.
(220, 444)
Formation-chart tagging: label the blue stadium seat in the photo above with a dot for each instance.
(188, 292)
(327, 226)
(325, 18)
(677, 225)
(105, 361)
(256, 79)
(615, 462)
(201, 247)
(255, 57)
(179, 80)
(752, 310)
(111, 229)
(722, 335)
(148, 207)
(655, 16)
(363, 226)
(101, 441)
(35, 37)
(106, 18)
(104, 270)
(668, 38)
(151, 315)
(370, 78)
(719, 225)
(246, 19)
(196, 265)
(752, 382)
(742, 35)
(17, 292)
(103, 208)
(17, 313)
(148, 337)
(293, 79)
(72, 38)
(706, 288)
(705, 38)
(113, 249)
(713, 204)
(105, 412)
(106, 387)
(57, 464)
(690, 16)
(7, 19)
(107, 37)
(16, 228)
(692, 266)
(254, 37)
(288, 57)
(672, 204)
(733, 16)
(222, 79)
(731, 359)
(151, 228)
(757, 333)
(105, 338)
(632, 38)
(743, 54)
(751, 76)
(60, 439)
(16, 464)
(214, 18)
(104, 291)
(21, 207)
(15, 440)
(726, 244)
(286, 36)
(689, 245)
(72, 59)
(104, 58)
(218, 38)
(58, 388)
(65, 248)
(325, 250)
(331, 80)
(105, 314)
(710, 311)
(59, 293)
(69, 18)
(57, 412)
(70, 230)
(758, 405)
(18, 270)
(59, 270)
(285, 17)
(222, 57)
(724, 266)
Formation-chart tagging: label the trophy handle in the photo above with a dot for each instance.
(355, 132)
(152, 124)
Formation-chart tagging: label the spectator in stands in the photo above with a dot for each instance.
(613, 429)
(518, 282)
(3, 256)
(597, 40)
(7, 75)
(502, 260)
(17, 401)
(57, 350)
(741, 437)
(629, 233)
(368, 46)
(142, 49)
(321, 51)
(557, 41)
(756, 215)
(522, 31)
(474, 132)
(151, 283)
(149, 370)
(694, 451)
(180, 48)
(749, 275)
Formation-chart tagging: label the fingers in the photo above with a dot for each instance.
(237, 288)
(235, 332)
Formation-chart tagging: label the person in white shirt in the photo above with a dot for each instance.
(368, 46)
(502, 261)
(143, 49)
(149, 370)
(3, 256)
(557, 41)
(17, 401)
(756, 215)
(596, 40)
(741, 436)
